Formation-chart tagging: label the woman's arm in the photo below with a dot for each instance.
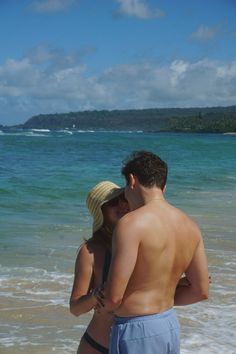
(197, 275)
(81, 300)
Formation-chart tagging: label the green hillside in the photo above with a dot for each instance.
(212, 119)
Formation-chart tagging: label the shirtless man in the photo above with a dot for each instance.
(153, 246)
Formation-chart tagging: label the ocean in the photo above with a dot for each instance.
(45, 177)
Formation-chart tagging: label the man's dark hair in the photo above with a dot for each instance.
(149, 168)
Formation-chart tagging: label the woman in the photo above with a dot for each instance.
(107, 205)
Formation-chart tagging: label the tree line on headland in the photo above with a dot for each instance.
(198, 120)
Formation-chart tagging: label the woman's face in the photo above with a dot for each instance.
(114, 210)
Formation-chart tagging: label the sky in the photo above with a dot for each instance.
(73, 55)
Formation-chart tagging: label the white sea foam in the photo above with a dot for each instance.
(11, 340)
(80, 326)
(24, 307)
(37, 285)
(109, 131)
(35, 134)
(41, 130)
(64, 131)
(28, 133)
(206, 328)
(85, 131)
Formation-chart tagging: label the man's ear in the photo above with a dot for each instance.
(132, 180)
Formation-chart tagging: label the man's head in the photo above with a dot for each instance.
(148, 168)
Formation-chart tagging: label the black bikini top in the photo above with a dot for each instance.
(106, 266)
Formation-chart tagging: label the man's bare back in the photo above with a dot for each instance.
(167, 240)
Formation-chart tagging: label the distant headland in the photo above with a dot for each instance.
(193, 120)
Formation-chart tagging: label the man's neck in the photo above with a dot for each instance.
(146, 196)
(151, 195)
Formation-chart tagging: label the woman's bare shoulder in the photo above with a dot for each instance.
(89, 249)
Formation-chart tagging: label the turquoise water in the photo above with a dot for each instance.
(45, 177)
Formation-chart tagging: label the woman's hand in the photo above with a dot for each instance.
(99, 295)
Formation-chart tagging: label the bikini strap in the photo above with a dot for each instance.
(94, 344)
(106, 265)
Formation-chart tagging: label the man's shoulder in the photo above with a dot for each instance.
(127, 219)
(134, 215)
(134, 222)
(181, 216)
(188, 228)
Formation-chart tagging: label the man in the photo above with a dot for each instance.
(153, 246)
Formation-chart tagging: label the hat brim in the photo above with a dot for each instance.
(114, 193)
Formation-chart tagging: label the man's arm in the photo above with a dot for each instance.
(124, 255)
(197, 275)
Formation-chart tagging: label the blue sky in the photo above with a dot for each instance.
(72, 55)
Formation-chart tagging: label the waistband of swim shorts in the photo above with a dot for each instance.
(120, 319)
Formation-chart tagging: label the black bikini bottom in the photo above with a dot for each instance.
(100, 348)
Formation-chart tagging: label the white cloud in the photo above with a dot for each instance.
(205, 33)
(138, 8)
(178, 68)
(43, 6)
(29, 87)
(40, 54)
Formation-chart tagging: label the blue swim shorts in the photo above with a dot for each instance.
(149, 334)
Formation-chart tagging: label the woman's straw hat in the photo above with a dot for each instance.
(102, 193)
